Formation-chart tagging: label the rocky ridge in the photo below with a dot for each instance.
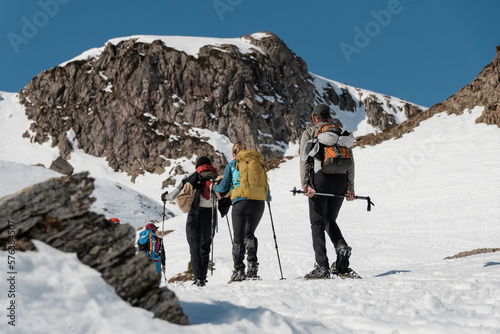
(141, 105)
(57, 212)
(484, 91)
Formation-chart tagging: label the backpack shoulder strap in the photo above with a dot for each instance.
(150, 243)
(247, 155)
(329, 127)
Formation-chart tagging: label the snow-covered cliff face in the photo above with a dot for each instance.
(362, 111)
(144, 100)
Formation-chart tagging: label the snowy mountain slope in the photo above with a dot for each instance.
(357, 121)
(14, 148)
(458, 296)
(113, 192)
(432, 201)
(112, 198)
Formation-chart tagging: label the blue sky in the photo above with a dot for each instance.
(422, 51)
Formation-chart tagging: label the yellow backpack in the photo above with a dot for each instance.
(253, 177)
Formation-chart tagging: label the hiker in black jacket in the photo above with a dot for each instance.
(194, 196)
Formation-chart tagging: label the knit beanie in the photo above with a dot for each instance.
(151, 227)
(203, 161)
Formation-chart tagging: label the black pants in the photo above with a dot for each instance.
(198, 232)
(246, 216)
(323, 212)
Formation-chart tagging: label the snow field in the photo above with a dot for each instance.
(436, 193)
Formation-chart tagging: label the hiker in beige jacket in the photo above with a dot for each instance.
(323, 210)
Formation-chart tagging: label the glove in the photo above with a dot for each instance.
(164, 196)
(218, 180)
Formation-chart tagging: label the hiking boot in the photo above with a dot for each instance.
(200, 282)
(238, 275)
(318, 273)
(252, 269)
(342, 263)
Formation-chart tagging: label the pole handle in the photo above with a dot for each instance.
(368, 200)
(164, 196)
(295, 191)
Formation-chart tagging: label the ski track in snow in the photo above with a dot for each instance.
(431, 201)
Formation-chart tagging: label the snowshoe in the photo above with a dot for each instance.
(237, 276)
(347, 273)
(318, 273)
(200, 282)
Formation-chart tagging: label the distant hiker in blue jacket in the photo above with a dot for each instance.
(152, 245)
(246, 215)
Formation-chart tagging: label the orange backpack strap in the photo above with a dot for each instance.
(328, 126)
(150, 244)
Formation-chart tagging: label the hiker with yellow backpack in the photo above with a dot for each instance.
(246, 178)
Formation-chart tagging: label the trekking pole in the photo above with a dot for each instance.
(214, 226)
(229, 227)
(275, 242)
(367, 198)
(163, 234)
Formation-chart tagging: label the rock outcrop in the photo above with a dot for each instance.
(61, 166)
(484, 91)
(57, 213)
(136, 104)
(139, 104)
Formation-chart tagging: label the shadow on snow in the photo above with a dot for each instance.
(488, 264)
(218, 313)
(392, 272)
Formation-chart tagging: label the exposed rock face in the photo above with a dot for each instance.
(61, 166)
(57, 213)
(473, 252)
(137, 103)
(483, 91)
(376, 115)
